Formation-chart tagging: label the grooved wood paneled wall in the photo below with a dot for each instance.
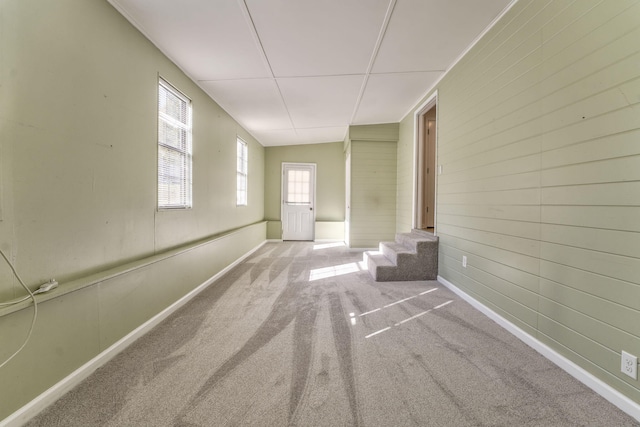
(539, 140)
(373, 194)
(373, 151)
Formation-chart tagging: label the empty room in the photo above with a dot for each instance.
(319, 213)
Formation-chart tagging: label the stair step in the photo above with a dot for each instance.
(413, 256)
(416, 240)
(379, 266)
(423, 233)
(394, 251)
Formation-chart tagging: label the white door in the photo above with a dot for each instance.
(298, 201)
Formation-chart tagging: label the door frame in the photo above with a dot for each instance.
(418, 129)
(315, 186)
(347, 194)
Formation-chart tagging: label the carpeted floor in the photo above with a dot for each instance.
(299, 334)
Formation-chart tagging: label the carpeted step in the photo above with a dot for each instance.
(413, 256)
(379, 266)
(395, 251)
(416, 240)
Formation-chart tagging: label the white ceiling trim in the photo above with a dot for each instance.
(254, 32)
(372, 60)
(462, 55)
(145, 33)
(362, 101)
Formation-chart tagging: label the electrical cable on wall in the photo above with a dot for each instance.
(35, 308)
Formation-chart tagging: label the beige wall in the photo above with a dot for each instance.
(330, 186)
(538, 130)
(78, 126)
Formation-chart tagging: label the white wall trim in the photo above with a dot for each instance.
(33, 408)
(464, 52)
(603, 389)
(422, 109)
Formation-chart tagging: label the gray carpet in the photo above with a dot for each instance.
(302, 336)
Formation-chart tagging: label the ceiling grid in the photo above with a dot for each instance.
(301, 71)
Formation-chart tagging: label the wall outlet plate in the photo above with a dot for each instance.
(629, 365)
(464, 261)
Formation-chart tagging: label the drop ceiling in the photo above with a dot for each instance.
(302, 71)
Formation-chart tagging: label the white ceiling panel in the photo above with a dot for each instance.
(292, 71)
(210, 40)
(313, 38)
(317, 102)
(256, 103)
(318, 135)
(269, 138)
(388, 97)
(428, 35)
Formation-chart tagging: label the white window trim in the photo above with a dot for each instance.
(187, 152)
(240, 173)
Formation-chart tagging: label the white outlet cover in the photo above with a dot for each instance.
(629, 365)
(464, 261)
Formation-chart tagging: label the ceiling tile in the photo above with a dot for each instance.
(312, 38)
(292, 71)
(255, 103)
(316, 102)
(428, 35)
(210, 40)
(318, 135)
(270, 138)
(388, 97)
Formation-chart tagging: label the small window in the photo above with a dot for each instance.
(174, 148)
(298, 187)
(241, 173)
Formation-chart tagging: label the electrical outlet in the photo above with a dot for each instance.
(464, 261)
(629, 365)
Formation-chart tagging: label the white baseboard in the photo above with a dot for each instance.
(33, 408)
(603, 389)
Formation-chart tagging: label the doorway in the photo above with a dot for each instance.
(298, 201)
(426, 171)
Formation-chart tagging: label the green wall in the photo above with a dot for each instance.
(538, 130)
(537, 135)
(330, 186)
(372, 151)
(78, 145)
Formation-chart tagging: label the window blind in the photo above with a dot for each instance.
(174, 148)
(241, 174)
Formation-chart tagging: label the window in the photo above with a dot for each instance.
(241, 173)
(298, 187)
(174, 148)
